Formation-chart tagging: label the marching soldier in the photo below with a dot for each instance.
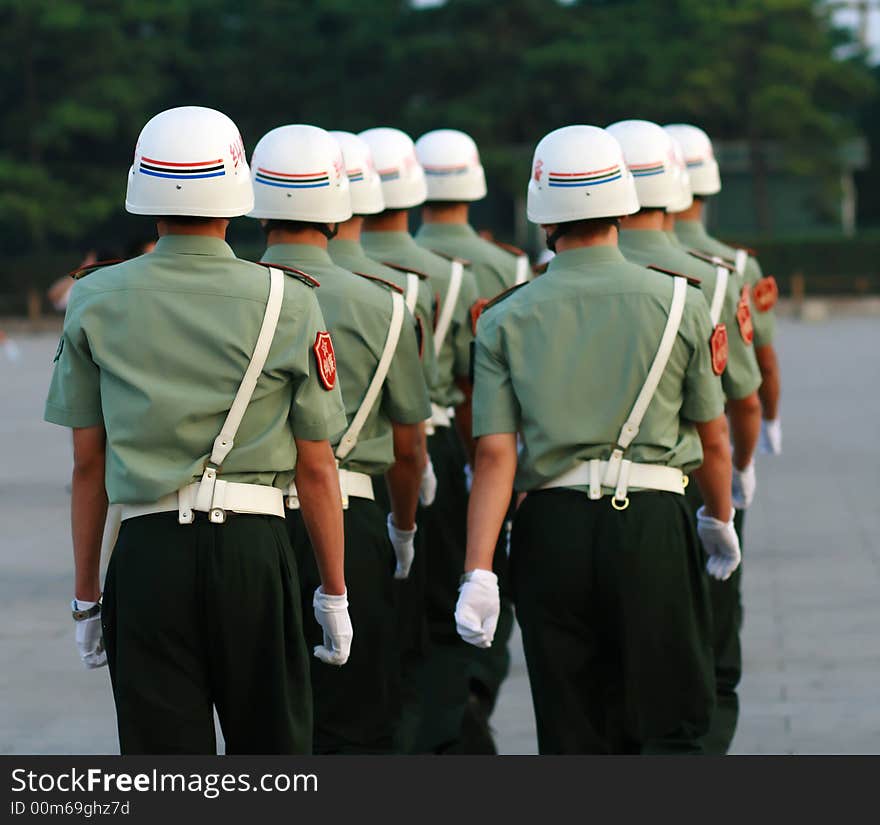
(195, 392)
(604, 370)
(442, 690)
(302, 193)
(455, 179)
(650, 156)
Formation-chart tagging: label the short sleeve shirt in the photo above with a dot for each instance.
(562, 360)
(155, 349)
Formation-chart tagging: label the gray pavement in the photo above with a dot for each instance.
(812, 574)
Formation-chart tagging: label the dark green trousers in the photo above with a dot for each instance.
(615, 623)
(355, 705)
(727, 619)
(204, 615)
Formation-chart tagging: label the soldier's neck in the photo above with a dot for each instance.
(306, 235)
(207, 227)
(644, 219)
(445, 213)
(391, 220)
(351, 229)
(693, 213)
(605, 238)
(668, 222)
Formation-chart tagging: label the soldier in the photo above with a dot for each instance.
(155, 372)
(302, 193)
(650, 156)
(761, 291)
(604, 370)
(442, 689)
(455, 179)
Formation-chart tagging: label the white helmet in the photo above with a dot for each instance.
(363, 179)
(578, 172)
(403, 180)
(699, 157)
(299, 175)
(648, 152)
(452, 166)
(685, 198)
(190, 161)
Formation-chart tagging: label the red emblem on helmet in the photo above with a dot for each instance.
(765, 294)
(718, 346)
(539, 169)
(744, 316)
(326, 360)
(476, 311)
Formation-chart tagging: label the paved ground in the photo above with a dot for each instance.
(811, 585)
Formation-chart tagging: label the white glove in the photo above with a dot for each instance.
(404, 549)
(428, 487)
(332, 614)
(721, 544)
(90, 638)
(476, 614)
(743, 489)
(770, 442)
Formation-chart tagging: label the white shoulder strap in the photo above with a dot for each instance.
(740, 260)
(522, 269)
(448, 306)
(718, 295)
(349, 439)
(412, 291)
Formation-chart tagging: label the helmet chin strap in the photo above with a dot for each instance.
(328, 230)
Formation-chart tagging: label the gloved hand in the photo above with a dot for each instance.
(332, 614)
(721, 544)
(743, 489)
(770, 442)
(428, 487)
(90, 638)
(404, 550)
(476, 613)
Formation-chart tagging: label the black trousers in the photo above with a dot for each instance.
(615, 622)
(727, 619)
(207, 615)
(356, 704)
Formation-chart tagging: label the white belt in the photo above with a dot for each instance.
(351, 485)
(594, 474)
(229, 496)
(441, 416)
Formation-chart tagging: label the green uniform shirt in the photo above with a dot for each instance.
(350, 255)
(741, 377)
(693, 235)
(494, 268)
(453, 361)
(562, 361)
(358, 313)
(155, 349)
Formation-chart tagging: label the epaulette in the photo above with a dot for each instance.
(540, 269)
(751, 252)
(422, 275)
(715, 260)
(378, 280)
(82, 271)
(674, 274)
(308, 280)
(502, 295)
(509, 247)
(462, 261)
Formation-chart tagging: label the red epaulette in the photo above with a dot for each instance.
(674, 274)
(82, 271)
(540, 269)
(378, 280)
(462, 261)
(422, 275)
(308, 280)
(502, 295)
(715, 260)
(509, 247)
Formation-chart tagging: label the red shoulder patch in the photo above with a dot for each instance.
(476, 310)
(325, 358)
(744, 316)
(82, 271)
(296, 273)
(422, 275)
(765, 293)
(379, 280)
(674, 274)
(718, 347)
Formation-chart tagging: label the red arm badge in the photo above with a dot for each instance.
(718, 347)
(476, 310)
(744, 316)
(326, 360)
(765, 294)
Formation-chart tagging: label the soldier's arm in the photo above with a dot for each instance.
(745, 428)
(88, 509)
(714, 475)
(769, 389)
(404, 476)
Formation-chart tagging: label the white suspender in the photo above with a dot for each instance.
(740, 260)
(224, 442)
(718, 295)
(349, 439)
(412, 291)
(522, 269)
(617, 472)
(448, 306)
